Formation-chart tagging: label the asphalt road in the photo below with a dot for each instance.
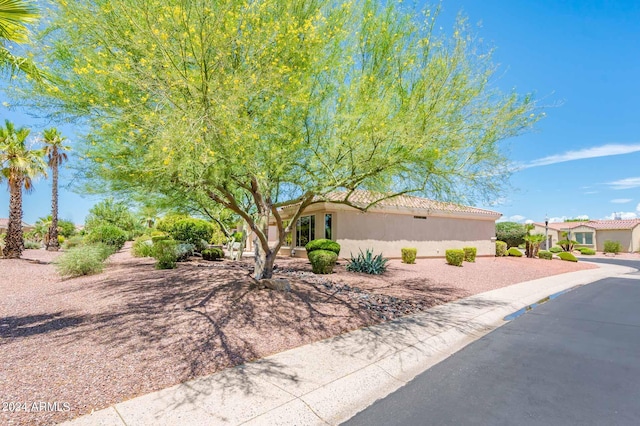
(572, 361)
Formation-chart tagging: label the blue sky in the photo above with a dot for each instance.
(581, 60)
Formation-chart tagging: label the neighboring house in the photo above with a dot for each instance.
(404, 221)
(4, 223)
(594, 233)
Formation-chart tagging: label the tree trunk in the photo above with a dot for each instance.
(14, 243)
(264, 262)
(52, 244)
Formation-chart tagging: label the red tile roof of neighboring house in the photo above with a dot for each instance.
(595, 224)
(362, 198)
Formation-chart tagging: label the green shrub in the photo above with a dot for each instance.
(322, 261)
(454, 257)
(218, 237)
(565, 255)
(514, 252)
(212, 254)
(80, 260)
(237, 236)
(108, 234)
(555, 249)
(165, 253)
(165, 224)
(105, 250)
(142, 247)
(543, 254)
(586, 251)
(409, 255)
(511, 233)
(322, 244)
(470, 254)
(501, 248)
(159, 236)
(367, 263)
(194, 231)
(31, 245)
(612, 247)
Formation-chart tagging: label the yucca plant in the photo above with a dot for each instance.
(368, 263)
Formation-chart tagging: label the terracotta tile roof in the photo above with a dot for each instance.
(595, 224)
(363, 198)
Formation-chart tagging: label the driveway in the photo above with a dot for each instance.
(571, 361)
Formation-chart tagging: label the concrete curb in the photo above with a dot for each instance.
(330, 381)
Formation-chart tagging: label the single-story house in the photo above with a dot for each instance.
(404, 221)
(594, 233)
(4, 224)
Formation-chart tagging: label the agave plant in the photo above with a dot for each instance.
(368, 263)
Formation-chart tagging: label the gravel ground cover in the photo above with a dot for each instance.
(89, 342)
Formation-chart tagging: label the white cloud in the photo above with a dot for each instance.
(594, 152)
(638, 207)
(528, 221)
(590, 192)
(622, 215)
(621, 200)
(516, 218)
(558, 219)
(627, 183)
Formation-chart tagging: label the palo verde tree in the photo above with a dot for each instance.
(255, 105)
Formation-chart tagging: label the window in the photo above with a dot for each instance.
(305, 230)
(584, 238)
(328, 230)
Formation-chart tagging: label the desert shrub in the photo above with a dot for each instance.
(80, 260)
(322, 244)
(555, 249)
(586, 251)
(511, 233)
(60, 240)
(543, 254)
(612, 247)
(565, 255)
(368, 263)
(454, 257)
(114, 213)
(237, 236)
(31, 245)
(108, 234)
(74, 241)
(194, 231)
(514, 252)
(501, 248)
(165, 253)
(212, 254)
(142, 247)
(470, 254)
(322, 261)
(165, 224)
(183, 251)
(409, 255)
(218, 237)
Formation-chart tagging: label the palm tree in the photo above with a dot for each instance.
(56, 155)
(18, 165)
(14, 16)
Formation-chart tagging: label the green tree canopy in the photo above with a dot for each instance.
(15, 15)
(253, 105)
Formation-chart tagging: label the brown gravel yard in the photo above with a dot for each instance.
(94, 341)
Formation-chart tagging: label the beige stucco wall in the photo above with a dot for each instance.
(635, 239)
(624, 236)
(551, 233)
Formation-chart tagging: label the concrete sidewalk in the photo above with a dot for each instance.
(329, 381)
